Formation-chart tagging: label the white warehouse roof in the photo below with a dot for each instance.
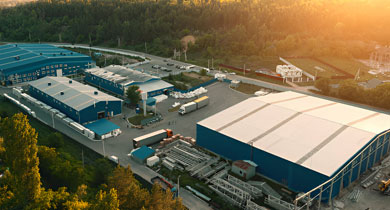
(70, 92)
(316, 133)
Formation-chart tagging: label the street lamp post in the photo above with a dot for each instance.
(178, 185)
(104, 151)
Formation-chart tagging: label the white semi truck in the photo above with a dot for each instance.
(194, 105)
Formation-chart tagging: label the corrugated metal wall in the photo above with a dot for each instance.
(104, 84)
(296, 177)
(87, 114)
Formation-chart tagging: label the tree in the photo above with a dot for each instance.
(20, 141)
(130, 194)
(106, 201)
(323, 85)
(55, 140)
(203, 72)
(133, 94)
(350, 90)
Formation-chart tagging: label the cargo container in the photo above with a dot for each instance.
(60, 115)
(194, 105)
(152, 138)
(77, 127)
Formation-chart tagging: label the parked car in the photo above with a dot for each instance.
(183, 68)
(178, 66)
(165, 60)
(156, 66)
(170, 64)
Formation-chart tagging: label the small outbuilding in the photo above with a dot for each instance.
(244, 168)
(104, 128)
(141, 154)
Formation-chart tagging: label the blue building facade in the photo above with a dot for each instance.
(290, 174)
(28, 62)
(79, 102)
(116, 80)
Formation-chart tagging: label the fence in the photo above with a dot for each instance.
(196, 87)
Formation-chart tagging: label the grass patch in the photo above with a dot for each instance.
(136, 120)
(314, 67)
(351, 66)
(247, 88)
(186, 80)
(174, 109)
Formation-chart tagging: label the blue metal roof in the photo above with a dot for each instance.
(151, 101)
(18, 55)
(143, 152)
(102, 126)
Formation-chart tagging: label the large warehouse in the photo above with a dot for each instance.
(80, 102)
(28, 62)
(116, 79)
(298, 140)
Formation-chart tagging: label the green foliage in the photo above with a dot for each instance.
(323, 85)
(21, 157)
(130, 194)
(203, 72)
(228, 28)
(133, 94)
(106, 201)
(350, 90)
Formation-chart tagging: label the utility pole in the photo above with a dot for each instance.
(146, 49)
(185, 55)
(208, 63)
(244, 69)
(178, 185)
(104, 151)
(212, 63)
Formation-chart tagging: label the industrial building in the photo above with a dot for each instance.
(28, 62)
(116, 79)
(80, 102)
(299, 140)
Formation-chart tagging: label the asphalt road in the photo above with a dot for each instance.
(221, 97)
(154, 60)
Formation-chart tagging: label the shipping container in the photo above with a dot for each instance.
(151, 138)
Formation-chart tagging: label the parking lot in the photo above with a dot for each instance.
(164, 69)
(221, 97)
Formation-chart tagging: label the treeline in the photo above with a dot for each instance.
(222, 28)
(23, 162)
(350, 90)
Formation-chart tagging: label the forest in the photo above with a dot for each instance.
(37, 177)
(343, 28)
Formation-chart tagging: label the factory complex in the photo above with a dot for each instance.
(116, 79)
(80, 102)
(299, 140)
(28, 62)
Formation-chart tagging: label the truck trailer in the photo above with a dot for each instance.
(152, 138)
(194, 105)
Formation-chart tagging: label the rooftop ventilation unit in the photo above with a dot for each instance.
(62, 93)
(49, 84)
(95, 93)
(70, 81)
(71, 53)
(17, 58)
(40, 54)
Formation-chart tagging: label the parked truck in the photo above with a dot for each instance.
(194, 105)
(152, 138)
